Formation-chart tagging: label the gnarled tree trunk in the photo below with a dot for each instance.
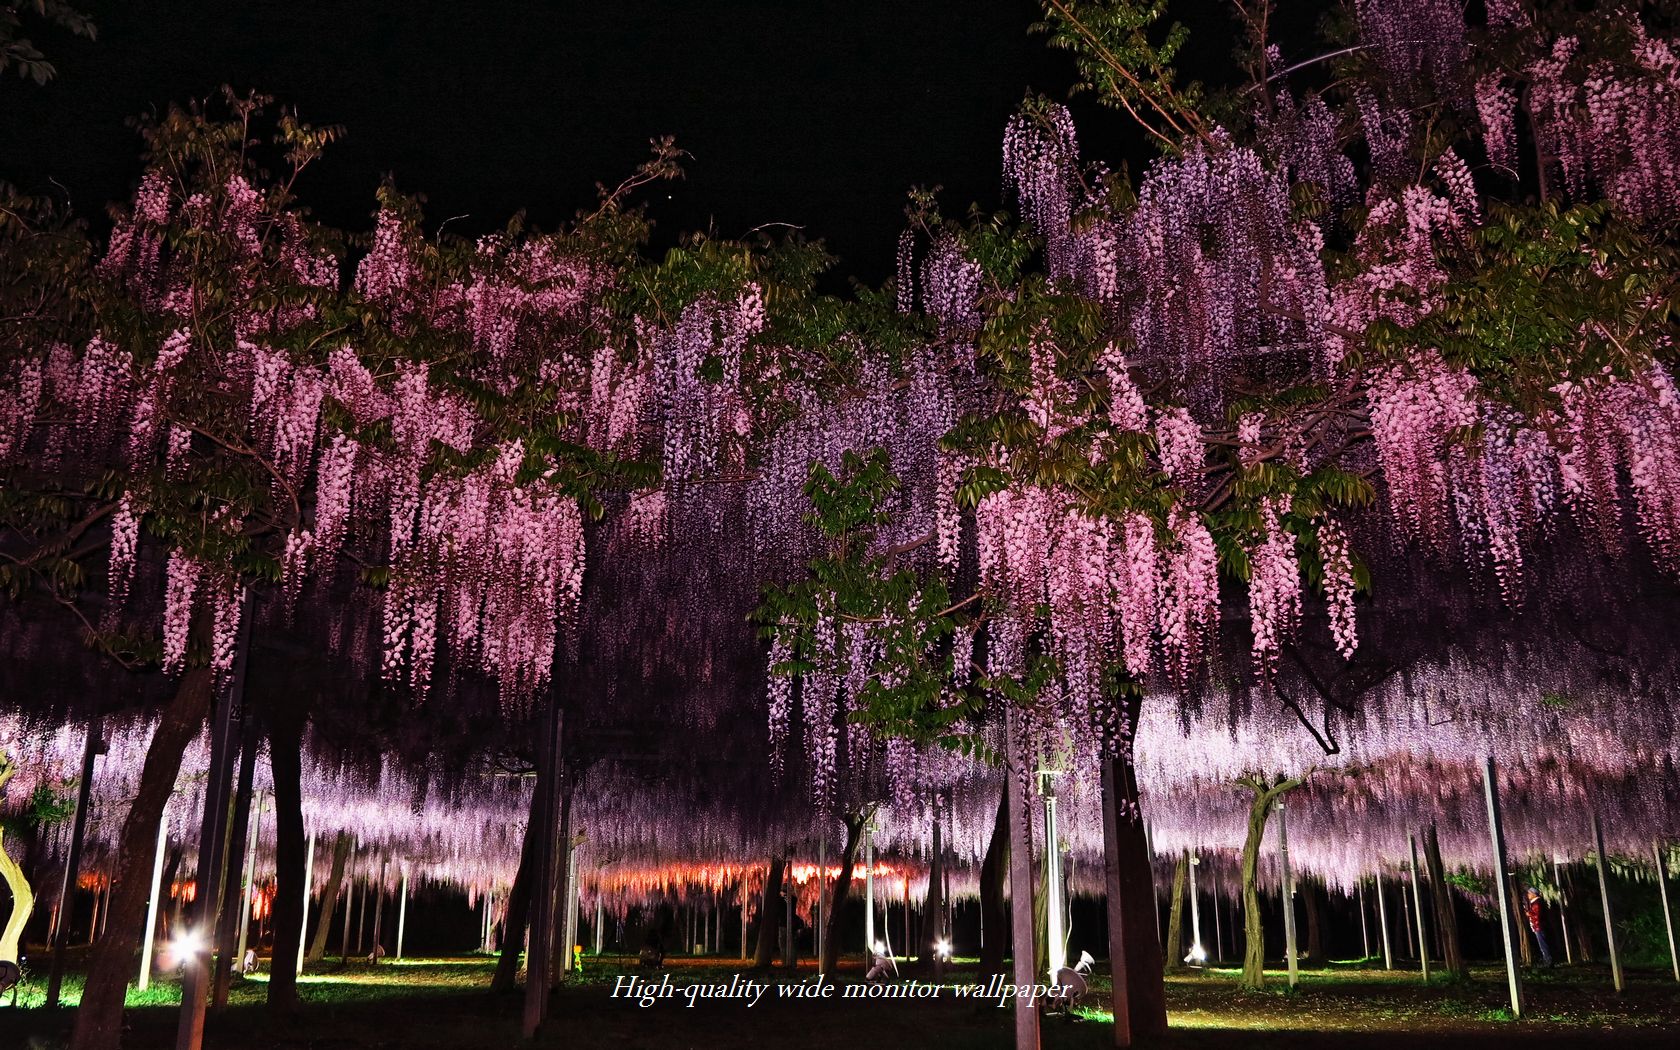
(111, 963)
(1266, 794)
(513, 924)
(329, 898)
(855, 823)
(23, 898)
(1135, 947)
(769, 916)
(1446, 915)
(1175, 913)
(1313, 896)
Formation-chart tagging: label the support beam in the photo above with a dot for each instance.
(1382, 920)
(868, 889)
(1604, 895)
(150, 936)
(1496, 832)
(1055, 935)
(1417, 901)
(402, 913)
(1563, 914)
(308, 879)
(250, 876)
(1198, 953)
(1288, 898)
(1668, 916)
(1364, 927)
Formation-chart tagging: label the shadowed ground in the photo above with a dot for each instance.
(443, 1003)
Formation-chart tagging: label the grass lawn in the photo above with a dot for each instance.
(438, 1003)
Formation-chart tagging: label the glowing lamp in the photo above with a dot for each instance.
(942, 948)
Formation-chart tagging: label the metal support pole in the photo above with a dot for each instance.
(1563, 911)
(1668, 916)
(1364, 927)
(1055, 934)
(250, 875)
(1288, 898)
(308, 879)
(1496, 831)
(1197, 952)
(822, 894)
(1382, 920)
(1417, 899)
(157, 889)
(402, 913)
(868, 889)
(600, 918)
(1604, 895)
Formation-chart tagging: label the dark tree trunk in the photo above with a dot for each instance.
(1313, 896)
(1525, 939)
(842, 885)
(285, 757)
(111, 962)
(166, 886)
(993, 918)
(1175, 913)
(769, 916)
(560, 959)
(1446, 915)
(233, 880)
(329, 898)
(1134, 879)
(933, 923)
(1254, 935)
(513, 924)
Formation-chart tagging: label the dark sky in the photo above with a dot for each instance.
(812, 112)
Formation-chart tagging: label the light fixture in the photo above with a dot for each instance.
(880, 948)
(1197, 956)
(942, 948)
(185, 945)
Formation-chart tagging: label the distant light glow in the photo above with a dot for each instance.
(185, 945)
(942, 948)
(1198, 954)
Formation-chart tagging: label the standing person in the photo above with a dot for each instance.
(1531, 911)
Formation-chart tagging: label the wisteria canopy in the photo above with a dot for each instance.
(1332, 452)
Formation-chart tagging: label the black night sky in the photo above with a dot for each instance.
(816, 113)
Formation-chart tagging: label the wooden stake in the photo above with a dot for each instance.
(152, 903)
(1668, 916)
(1417, 899)
(1288, 897)
(1604, 895)
(1496, 832)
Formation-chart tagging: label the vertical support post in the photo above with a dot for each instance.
(868, 889)
(1020, 885)
(1055, 935)
(1288, 898)
(402, 913)
(153, 901)
(1382, 920)
(91, 747)
(308, 884)
(1563, 914)
(1604, 895)
(1364, 927)
(1496, 831)
(250, 875)
(1668, 916)
(822, 893)
(600, 917)
(1197, 952)
(788, 948)
(1417, 900)
(350, 899)
(743, 918)
(571, 906)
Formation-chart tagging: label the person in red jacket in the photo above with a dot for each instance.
(1531, 912)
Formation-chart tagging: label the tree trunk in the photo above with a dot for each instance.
(1175, 913)
(1133, 878)
(1313, 895)
(111, 963)
(1446, 915)
(933, 923)
(993, 917)
(227, 927)
(1254, 934)
(291, 890)
(842, 885)
(23, 898)
(769, 916)
(513, 923)
(329, 898)
(1525, 938)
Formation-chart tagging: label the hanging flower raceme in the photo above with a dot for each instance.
(1274, 586)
